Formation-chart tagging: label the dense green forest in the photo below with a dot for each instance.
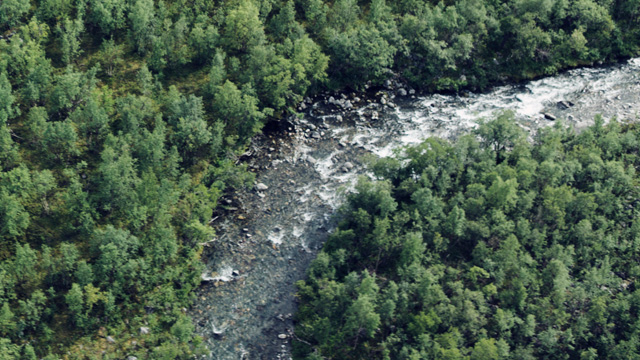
(489, 248)
(121, 122)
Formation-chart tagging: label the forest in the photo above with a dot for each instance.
(122, 123)
(489, 248)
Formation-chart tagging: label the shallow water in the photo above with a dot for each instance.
(267, 239)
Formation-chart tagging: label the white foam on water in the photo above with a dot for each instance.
(276, 237)
(224, 273)
(297, 231)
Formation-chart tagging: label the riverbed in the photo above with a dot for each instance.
(268, 235)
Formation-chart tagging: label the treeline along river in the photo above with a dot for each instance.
(268, 235)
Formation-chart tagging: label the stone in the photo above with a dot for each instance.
(331, 100)
(388, 84)
(282, 336)
(235, 273)
(383, 101)
(316, 135)
(132, 358)
(402, 92)
(374, 115)
(311, 159)
(348, 165)
(111, 340)
(312, 127)
(338, 117)
(412, 92)
(144, 330)
(562, 105)
(261, 187)
(549, 116)
(347, 105)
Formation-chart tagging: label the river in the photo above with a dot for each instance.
(268, 235)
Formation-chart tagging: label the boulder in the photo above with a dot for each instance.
(402, 92)
(111, 340)
(261, 187)
(562, 105)
(282, 336)
(549, 116)
(144, 330)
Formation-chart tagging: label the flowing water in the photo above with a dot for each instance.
(268, 237)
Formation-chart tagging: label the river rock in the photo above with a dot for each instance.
(261, 187)
(412, 92)
(111, 340)
(144, 330)
(347, 105)
(282, 336)
(316, 135)
(402, 92)
(549, 116)
(383, 101)
(132, 358)
(348, 165)
(311, 159)
(338, 117)
(562, 105)
(235, 273)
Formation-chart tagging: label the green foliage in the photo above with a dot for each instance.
(450, 255)
(12, 11)
(119, 121)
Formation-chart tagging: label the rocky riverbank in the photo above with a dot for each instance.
(269, 234)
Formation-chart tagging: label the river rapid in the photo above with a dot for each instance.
(268, 235)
